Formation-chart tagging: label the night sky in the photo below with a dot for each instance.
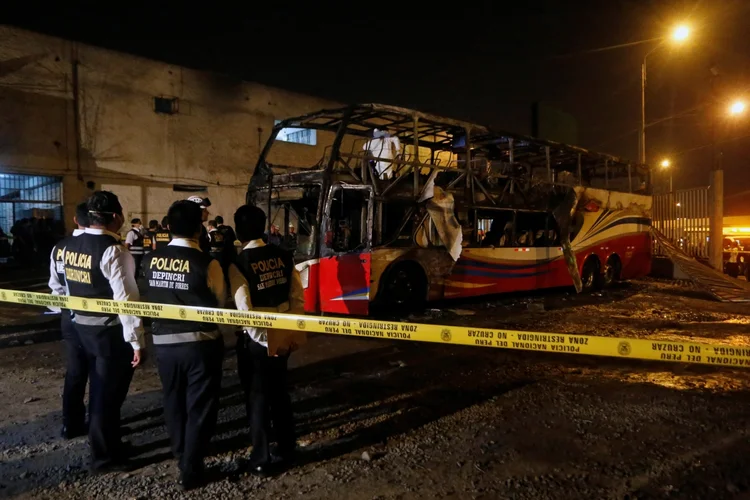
(484, 64)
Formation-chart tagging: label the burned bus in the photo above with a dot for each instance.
(401, 207)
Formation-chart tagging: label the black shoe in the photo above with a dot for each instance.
(190, 481)
(118, 466)
(73, 432)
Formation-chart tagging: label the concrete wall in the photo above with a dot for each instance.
(214, 140)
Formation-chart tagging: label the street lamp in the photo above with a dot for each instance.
(737, 108)
(679, 35)
(665, 164)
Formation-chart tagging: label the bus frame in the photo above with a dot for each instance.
(504, 172)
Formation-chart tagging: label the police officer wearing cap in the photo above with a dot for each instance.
(134, 242)
(97, 266)
(216, 239)
(161, 236)
(76, 359)
(189, 354)
(264, 279)
(204, 203)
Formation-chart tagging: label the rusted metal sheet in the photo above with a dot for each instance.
(719, 285)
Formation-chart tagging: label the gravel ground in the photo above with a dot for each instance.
(382, 420)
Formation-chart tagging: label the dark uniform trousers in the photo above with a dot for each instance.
(110, 374)
(190, 374)
(264, 380)
(76, 375)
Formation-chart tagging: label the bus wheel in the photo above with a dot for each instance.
(612, 271)
(591, 278)
(405, 287)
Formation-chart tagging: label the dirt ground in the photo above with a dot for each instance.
(387, 420)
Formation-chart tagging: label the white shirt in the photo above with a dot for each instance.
(118, 267)
(387, 148)
(130, 237)
(54, 281)
(215, 276)
(241, 294)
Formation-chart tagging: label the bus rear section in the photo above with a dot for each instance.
(521, 250)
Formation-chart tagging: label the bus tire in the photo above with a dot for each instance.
(591, 276)
(405, 287)
(612, 270)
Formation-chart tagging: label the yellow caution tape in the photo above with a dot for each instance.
(660, 350)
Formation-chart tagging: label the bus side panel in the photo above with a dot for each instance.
(344, 284)
(490, 271)
(636, 259)
(503, 270)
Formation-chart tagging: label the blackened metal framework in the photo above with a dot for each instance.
(485, 167)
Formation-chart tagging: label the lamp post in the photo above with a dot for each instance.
(716, 209)
(679, 35)
(665, 164)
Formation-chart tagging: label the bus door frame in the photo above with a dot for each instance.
(352, 296)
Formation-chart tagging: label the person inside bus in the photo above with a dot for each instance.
(525, 239)
(493, 236)
(496, 238)
(385, 148)
(545, 238)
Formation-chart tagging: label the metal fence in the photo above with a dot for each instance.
(682, 217)
(27, 196)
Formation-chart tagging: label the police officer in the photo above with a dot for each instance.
(97, 266)
(264, 279)
(221, 248)
(161, 237)
(148, 238)
(216, 239)
(134, 242)
(189, 354)
(76, 359)
(204, 203)
(225, 230)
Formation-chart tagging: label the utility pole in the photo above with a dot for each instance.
(716, 191)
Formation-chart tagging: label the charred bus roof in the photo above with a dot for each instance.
(493, 155)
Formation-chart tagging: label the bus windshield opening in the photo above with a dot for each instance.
(293, 219)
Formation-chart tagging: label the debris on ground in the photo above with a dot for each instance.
(456, 422)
